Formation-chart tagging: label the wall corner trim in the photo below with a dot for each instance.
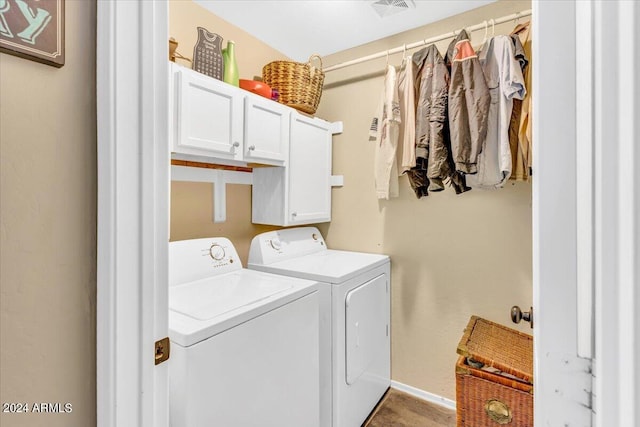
(425, 395)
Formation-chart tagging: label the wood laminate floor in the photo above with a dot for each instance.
(398, 409)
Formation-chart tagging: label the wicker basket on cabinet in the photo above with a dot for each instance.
(494, 376)
(299, 84)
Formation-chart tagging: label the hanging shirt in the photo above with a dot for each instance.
(384, 131)
(504, 78)
(520, 138)
(432, 124)
(468, 104)
(407, 96)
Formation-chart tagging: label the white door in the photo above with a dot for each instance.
(208, 116)
(562, 380)
(586, 215)
(367, 328)
(266, 131)
(309, 170)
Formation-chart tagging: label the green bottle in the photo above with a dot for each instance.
(231, 74)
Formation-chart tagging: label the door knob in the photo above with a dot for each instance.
(517, 315)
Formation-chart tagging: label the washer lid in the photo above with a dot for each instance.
(208, 298)
(331, 266)
(203, 308)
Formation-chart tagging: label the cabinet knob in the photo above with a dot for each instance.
(236, 144)
(294, 214)
(252, 147)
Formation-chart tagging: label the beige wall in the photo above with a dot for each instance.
(48, 229)
(452, 256)
(192, 203)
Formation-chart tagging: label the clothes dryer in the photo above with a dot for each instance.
(244, 344)
(354, 317)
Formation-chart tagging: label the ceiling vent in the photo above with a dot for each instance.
(386, 8)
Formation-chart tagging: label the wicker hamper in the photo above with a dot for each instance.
(494, 376)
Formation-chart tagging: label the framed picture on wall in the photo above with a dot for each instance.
(33, 29)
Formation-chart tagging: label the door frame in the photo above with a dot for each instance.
(133, 211)
(616, 124)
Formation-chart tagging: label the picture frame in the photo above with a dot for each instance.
(33, 30)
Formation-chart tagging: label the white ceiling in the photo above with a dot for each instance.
(299, 28)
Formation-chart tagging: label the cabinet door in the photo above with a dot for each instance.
(266, 131)
(309, 171)
(208, 117)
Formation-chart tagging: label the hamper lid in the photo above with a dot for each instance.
(497, 346)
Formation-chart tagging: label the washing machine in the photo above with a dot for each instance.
(354, 317)
(244, 344)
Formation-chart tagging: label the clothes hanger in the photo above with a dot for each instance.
(520, 27)
(486, 32)
(404, 56)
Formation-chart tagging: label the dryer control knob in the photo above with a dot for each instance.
(217, 252)
(276, 244)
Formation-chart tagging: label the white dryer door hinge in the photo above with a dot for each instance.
(570, 382)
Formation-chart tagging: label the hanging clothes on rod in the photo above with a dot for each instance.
(407, 99)
(384, 132)
(520, 138)
(503, 75)
(469, 101)
(425, 42)
(453, 116)
(434, 161)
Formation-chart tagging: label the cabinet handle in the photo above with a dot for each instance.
(294, 214)
(236, 144)
(252, 147)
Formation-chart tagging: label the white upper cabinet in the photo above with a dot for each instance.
(266, 131)
(310, 171)
(219, 123)
(208, 116)
(301, 192)
(213, 122)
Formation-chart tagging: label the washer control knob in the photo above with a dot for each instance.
(276, 244)
(217, 252)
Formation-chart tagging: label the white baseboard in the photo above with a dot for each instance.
(425, 395)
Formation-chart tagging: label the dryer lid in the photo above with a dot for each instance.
(330, 266)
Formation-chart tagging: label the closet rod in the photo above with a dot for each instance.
(485, 24)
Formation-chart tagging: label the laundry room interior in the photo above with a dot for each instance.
(452, 255)
(154, 275)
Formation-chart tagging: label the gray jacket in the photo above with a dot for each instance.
(434, 163)
(469, 101)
